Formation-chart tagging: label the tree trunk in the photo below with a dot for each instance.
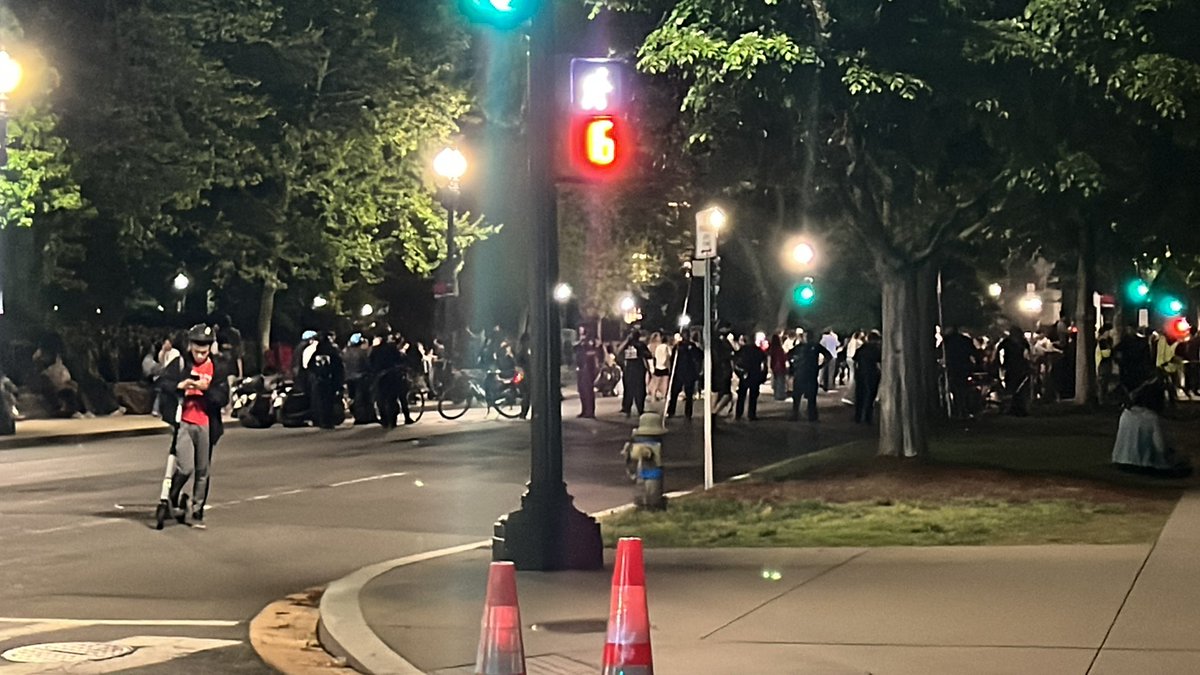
(903, 418)
(1085, 318)
(761, 287)
(930, 316)
(266, 310)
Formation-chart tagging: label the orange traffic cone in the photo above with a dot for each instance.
(501, 651)
(627, 650)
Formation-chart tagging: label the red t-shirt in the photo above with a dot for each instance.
(194, 411)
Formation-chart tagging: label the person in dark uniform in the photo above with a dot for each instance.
(805, 359)
(750, 361)
(326, 377)
(722, 376)
(1014, 359)
(587, 367)
(636, 364)
(387, 364)
(868, 361)
(960, 363)
(685, 372)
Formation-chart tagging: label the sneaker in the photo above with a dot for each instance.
(182, 510)
(198, 518)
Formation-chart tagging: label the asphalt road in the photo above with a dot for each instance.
(292, 509)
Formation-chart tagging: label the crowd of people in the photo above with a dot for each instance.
(798, 363)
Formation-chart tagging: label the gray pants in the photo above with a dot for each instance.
(189, 460)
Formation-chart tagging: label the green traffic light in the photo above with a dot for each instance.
(1171, 306)
(804, 294)
(1138, 290)
(503, 14)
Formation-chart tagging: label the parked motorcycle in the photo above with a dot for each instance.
(252, 402)
(290, 406)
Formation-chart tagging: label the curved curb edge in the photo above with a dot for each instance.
(343, 630)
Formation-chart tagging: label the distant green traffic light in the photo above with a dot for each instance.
(1170, 306)
(1138, 290)
(503, 14)
(804, 294)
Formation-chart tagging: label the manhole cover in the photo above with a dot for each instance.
(66, 652)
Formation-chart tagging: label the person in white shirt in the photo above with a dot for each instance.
(830, 341)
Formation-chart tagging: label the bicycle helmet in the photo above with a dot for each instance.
(201, 334)
(308, 335)
(356, 339)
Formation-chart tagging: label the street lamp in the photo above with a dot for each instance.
(367, 310)
(451, 165)
(803, 253)
(627, 303)
(562, 292)
(10, 77)
(319, 302)
(994, 290)
(181, 282)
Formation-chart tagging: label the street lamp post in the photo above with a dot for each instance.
(181, 282)
(547, 532)
(450, 164)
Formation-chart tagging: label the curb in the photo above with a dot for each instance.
(342, 629)
(17, 442)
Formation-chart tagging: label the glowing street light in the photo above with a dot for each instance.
(1031, 304)
(319, 302)
(684, 320)
(627, 303)
(181, 282)
(367, 310)
(562, 292)
(803, 253)
(450, 164)
(10, 77)
(994, 290)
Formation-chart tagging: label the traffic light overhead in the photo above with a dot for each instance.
(805, 293)
(1138, 291)
(502, 14)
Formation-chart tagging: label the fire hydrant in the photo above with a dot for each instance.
(643, 462)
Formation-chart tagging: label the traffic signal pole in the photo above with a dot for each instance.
(547, 532)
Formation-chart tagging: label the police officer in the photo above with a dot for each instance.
(636, 364)
(326, 376)
(805, 359)
(587, 367)
(751, 364)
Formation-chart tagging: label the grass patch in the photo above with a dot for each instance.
(724, 522)
(998, 481)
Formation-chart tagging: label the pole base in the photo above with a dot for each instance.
(548, 533)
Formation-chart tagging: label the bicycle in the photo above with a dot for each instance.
(468, 386)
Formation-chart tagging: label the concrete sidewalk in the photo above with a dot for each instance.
(1030, 609)
(54, 431)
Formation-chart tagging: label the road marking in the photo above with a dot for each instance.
(369, 478)
(43, 626)
(234, 502)
(74, 623)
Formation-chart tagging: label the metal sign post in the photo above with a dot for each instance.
(708, 224)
